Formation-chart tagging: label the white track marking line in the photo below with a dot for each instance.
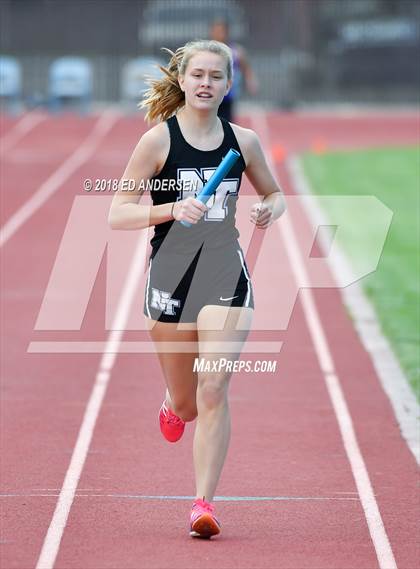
(81, 494)
(20, 129)
(59, 176)
(389, 371)
(373, 517)
(58, 523)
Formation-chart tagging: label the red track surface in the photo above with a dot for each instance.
(285, 438)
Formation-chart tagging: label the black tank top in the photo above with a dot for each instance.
(189, 168)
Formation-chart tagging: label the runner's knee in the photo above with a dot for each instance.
(212, 390)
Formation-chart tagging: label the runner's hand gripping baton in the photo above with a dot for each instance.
(214, 181)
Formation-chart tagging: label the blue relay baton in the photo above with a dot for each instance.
(215, 179)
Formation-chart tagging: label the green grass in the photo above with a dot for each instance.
(393, 176)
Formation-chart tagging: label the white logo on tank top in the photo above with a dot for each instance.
(218, 202)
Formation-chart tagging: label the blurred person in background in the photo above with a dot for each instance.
(242, 71)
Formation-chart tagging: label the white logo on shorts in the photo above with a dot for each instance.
(162, 301)
(230, 298)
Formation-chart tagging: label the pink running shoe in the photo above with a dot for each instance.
(171, 425)
(203, 522)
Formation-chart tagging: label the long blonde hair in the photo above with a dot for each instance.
(164, 96)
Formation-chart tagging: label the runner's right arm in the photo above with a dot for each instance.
(146, 161)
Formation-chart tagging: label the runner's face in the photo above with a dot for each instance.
(205, 81)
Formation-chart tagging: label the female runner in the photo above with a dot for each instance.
(198, 290)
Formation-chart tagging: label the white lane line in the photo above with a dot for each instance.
(58, 523)
(373, 517)
(390, 373)
(60, 175)
(21, 128)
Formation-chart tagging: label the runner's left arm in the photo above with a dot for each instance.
(259, 174)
